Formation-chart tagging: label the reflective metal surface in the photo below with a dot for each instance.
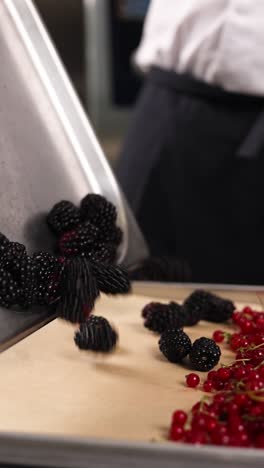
(48, 150)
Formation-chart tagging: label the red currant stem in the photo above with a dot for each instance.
(256, 347)
(249, 417)
(227, 336)
(231, 397)
(203, 401)
(247, 316)
(240, 385)
(259, 365)
(255, 397)
(251, 348)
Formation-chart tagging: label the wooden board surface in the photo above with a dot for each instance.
(48, 386)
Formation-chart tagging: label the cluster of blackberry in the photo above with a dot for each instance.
(69, 286)
(169, 320)
(89, 231)
(200, 305)
(69, 283)
(89, 238)
(204, 353)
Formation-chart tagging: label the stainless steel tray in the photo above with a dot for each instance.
(48, 150)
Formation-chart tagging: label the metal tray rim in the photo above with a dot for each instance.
(78, 452)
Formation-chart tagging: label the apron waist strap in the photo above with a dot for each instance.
(186, 84)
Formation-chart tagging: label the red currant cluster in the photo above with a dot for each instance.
(234, 414)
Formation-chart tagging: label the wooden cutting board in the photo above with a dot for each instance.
(48, 386)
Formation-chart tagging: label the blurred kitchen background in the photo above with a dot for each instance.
(95, 39)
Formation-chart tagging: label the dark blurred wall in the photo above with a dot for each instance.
(64, 20)
(127, 17)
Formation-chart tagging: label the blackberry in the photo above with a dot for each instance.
(26, 282)
(11, 255)
(48, 270)
(99, 211)
(161, 317)
(114, 236)
(3, 242)
(111, 279)
(205, 354)
(63, 217)
(101, 252)
(79, 289)
(79, 241)
(162, 269)
(15, 261)
(96, 334)
(190, 316)
(175, 345)
(149, 308)
(211, 307)
(9, 289)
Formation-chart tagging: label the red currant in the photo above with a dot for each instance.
(247, 310)
(199, 406)
(236, 424)
(235, 341)
(260, 323)
(254, 385)
(256, 411)
(239, 373)
(213, 409)
(199, 421)
(240, 399)
(219, 398)
(247, 326)
(212, 375)
(253, 375)
(259, 441)
(192, 380)
(218, 336)
(240, 439)
(208, 386)
(211, 424)
(223, 373)
(220, 439)
(236, 316)
(195, 437)
(179, 418)
(176, 433)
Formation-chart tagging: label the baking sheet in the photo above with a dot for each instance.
(128, 395)
(63, 407)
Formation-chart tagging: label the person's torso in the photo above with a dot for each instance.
(218, 41)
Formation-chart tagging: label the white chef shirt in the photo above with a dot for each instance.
(218, 41)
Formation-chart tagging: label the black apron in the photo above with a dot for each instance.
(192, 167)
